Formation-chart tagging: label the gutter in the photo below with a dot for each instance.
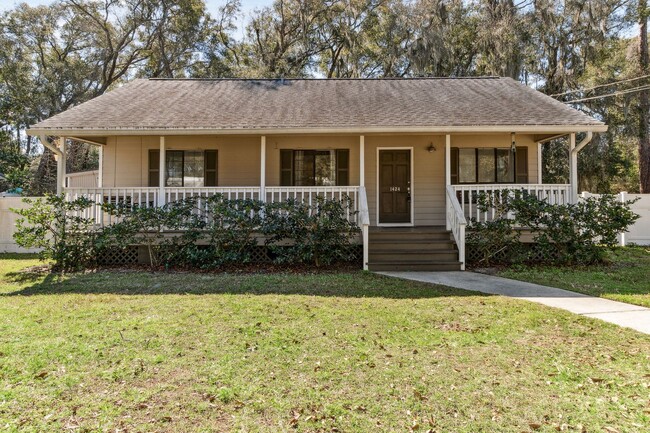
(96, 132)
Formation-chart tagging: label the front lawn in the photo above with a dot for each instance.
(625, 279)
(350, 352)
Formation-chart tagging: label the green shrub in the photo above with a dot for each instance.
(221, 231)
(318, 234)
(230, 230)
(169, 232)
(56, 227)
(565, 234)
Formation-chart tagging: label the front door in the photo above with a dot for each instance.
(394, 186)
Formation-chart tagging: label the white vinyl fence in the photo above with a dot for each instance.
(639, 233)
(8, 224)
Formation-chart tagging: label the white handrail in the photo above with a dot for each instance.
(364, 223)
(457, 223)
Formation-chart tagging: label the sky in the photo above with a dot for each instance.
(212, 5)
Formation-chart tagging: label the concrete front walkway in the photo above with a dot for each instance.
(619, 313)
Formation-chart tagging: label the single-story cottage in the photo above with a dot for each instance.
(411, 153)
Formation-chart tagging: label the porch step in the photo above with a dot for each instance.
(429, 248)
(413, 255)
(412, 244)
(401, 234)
(427, 266)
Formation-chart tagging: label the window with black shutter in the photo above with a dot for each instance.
(314, 167)
(488, 165)
(185, 168)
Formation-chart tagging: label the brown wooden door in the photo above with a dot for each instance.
(394, 186)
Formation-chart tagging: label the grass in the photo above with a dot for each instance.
(349, 352)
(625, 279)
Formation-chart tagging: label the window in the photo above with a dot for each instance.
(489, 165)
(184, 168)
(467, 165)
(314, 167)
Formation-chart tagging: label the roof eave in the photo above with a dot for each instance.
(540, 129)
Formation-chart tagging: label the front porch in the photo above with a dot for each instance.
(139, 171)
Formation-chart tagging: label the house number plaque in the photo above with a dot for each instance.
(395, 189)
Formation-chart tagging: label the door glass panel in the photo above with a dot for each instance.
(505, 166)
(486, 165)
(466, 165)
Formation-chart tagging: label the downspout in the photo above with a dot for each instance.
(59, 161)
(585, 141)
(574, 165)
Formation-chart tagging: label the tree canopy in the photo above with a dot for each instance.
(56, 56)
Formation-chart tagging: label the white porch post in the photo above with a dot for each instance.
(100, 174)
(447, 172)
(363, 196)
(573, 168)
(61, 167)
(161, 173)
(539, 162)
(362, 160)
(263, 168)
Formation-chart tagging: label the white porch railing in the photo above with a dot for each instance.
(82, 179)
(308, 194)
(467, 196)
(456, 222)
(143, 197)
(149, 197)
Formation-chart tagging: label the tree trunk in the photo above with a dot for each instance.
(644, 102)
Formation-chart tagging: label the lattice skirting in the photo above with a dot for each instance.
(532, 251)
(133, 255)
(119, 256)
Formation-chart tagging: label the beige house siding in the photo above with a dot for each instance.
(126, 161)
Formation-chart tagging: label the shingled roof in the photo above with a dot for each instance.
(283, 105)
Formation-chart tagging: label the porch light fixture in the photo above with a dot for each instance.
(431, 148)
(513, 143)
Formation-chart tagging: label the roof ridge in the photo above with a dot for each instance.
(482, 77)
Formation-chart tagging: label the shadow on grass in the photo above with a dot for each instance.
(349, 284)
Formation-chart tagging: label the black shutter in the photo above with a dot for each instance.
(286, 167)
(210, 161)
(154, 167)
(521, 165)
(343, 167)
(454, 165)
